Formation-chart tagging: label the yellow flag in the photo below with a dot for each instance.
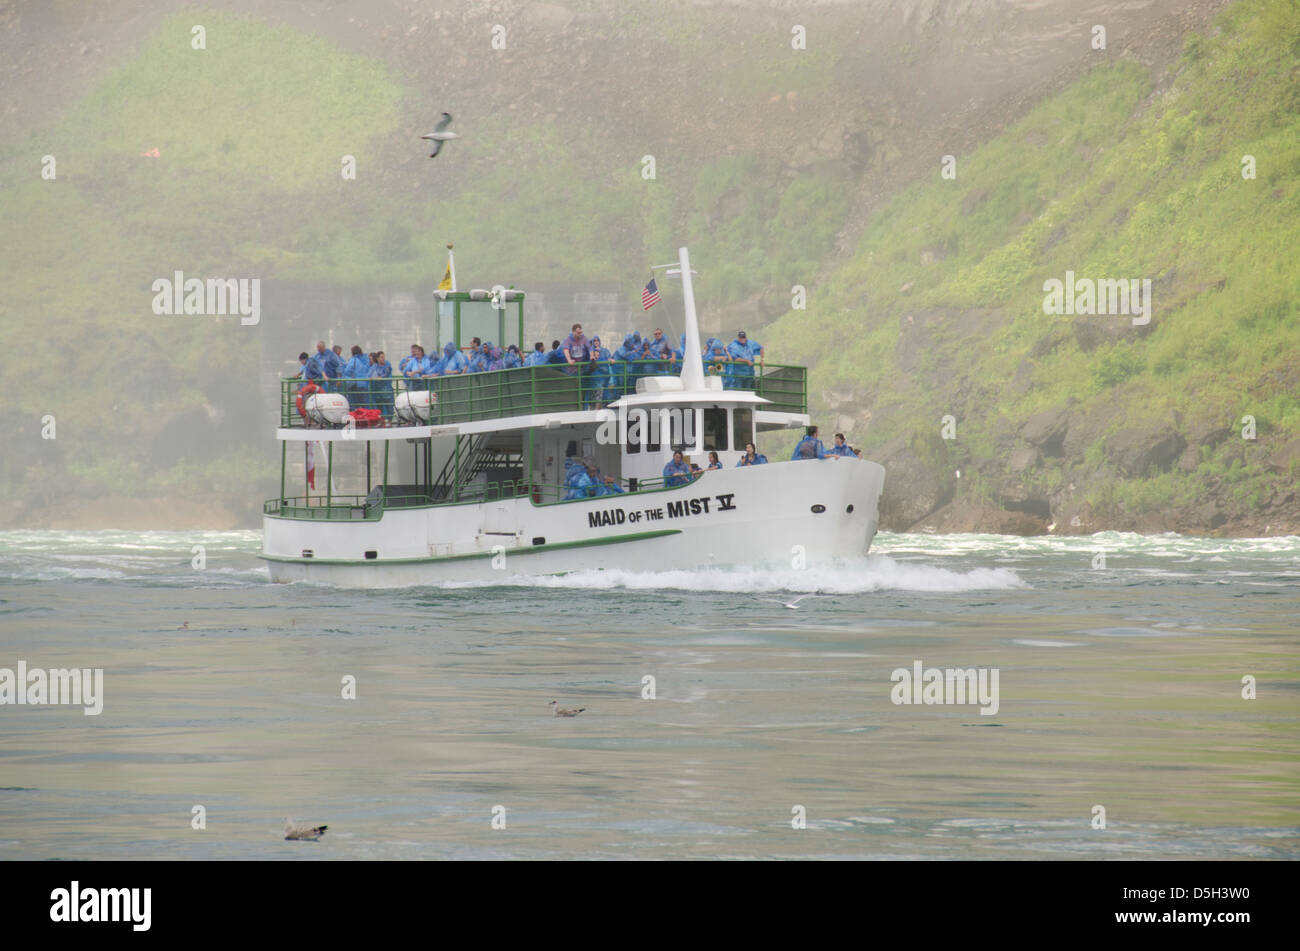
(445, 285)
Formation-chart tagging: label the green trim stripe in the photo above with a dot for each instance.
(528, 550)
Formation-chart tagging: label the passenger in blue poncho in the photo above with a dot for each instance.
(609, 486)
(480, 356)
(623, 373)
(715, 358)
(381, 387)
(752, 457)
(576, 481)
(659, 348)
(599, 383)
(355, 371)
(412, 366)
(679, 355)
(331, 367)
(555, 356)
(308, 369)
(451, 362)
(744, 354)
(429, 365)
(810, 447)
(677, 472)
(537, 357)
(511, 359)
(841, 447)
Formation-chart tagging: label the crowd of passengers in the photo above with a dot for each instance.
(582, 479)
(606, 380)
(609, 374)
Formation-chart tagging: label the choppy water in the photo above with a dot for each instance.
(1119, 686)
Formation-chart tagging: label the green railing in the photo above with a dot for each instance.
(469, 397)
(338, 508)
(370, 508)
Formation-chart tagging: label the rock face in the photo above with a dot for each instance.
(913, 486)
(1286, 458)
(1046, 431)
(1022, 460)
(1140, 451)
(973, 517)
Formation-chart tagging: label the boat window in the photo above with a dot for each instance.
(479, 319)
(715, 429)
(742, 427)
(446, 324)
(635, 427)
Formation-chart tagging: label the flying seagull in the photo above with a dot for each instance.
(792, 605)
(560, 711)
(309, 833)
(439, 134)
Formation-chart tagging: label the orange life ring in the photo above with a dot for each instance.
(307, 390)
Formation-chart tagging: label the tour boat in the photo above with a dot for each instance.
(463, 477)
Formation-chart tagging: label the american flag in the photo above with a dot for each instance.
(649, 296)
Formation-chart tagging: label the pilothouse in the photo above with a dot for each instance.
(551, 468)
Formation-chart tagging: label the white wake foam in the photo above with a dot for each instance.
(857, 576)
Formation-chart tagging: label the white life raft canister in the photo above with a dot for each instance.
(327, 409)
(414, 406)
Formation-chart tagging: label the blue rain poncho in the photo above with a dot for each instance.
(479, 359)
(676, 473)
(511, 359)
(452, 361)
(810, 447)
(715, 357)
(381, 387)
(536, 358)
(358, 369)
(609, 488)
(331, 367)
(623, 378)
(758, 460)
(598, 385)
(576, 481)
(742, 373)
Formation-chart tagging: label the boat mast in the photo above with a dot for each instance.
(692, 359)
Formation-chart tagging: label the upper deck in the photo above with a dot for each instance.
(524, 391)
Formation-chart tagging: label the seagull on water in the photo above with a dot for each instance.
(440, 134)
(792, 605)
(308, 833)
(560, 711)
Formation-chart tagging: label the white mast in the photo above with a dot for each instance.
(692, 359)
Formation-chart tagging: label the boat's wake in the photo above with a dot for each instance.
(849, 576)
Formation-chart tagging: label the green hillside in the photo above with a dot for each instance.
(940, 310)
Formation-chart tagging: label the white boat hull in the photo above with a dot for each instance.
(756, 515)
